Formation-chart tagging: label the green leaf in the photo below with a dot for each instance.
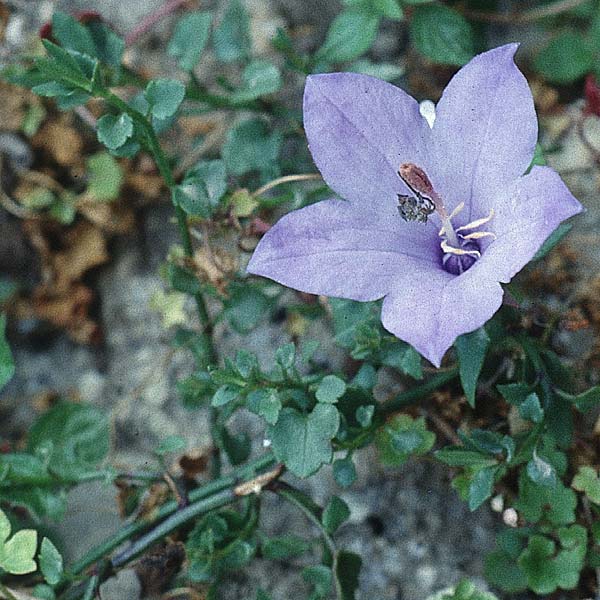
(7, 364)
(503, 572)
(237, 447)
(585, 401)
(404, 357)
(586, 480)
(109, 45)
(259, 78)
(262, 595)
(541, 471)
(465, 590)
(51, 562)
(481, 487)
(114, 130)
(364, 415)
(231, 39)
(249, 146)
(344, 472)
(401, 437)
(335, 513)
(515, 393)
(546, 571)
(531, 409)
(164, 97)
(196, 390)
(190, 38)
(62, 67)
(388, 8)
(347, 574)
(172, 443)
(43, 592)
(555, 238)
(224, 395)
(442, 34)
(74, 437)
(16, 554)
(265, 403)
(72, 35)
(285, 356)
(246, 307)
(351, 34)
(202, 189)
(192, 197)
(536, 502)
(331, 389)
(284, 547)
(385, 71)
(565, 59)
(320, 577)
(303, 442)
(456, 456)
(213, 176)
(471, 349)
(104, 177)
(182, 279)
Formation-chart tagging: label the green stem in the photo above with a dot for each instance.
(130, 531)
(176, 520)
(167, 174)
(418, 392)
(90, 590)
(7, 593)
(313, 513)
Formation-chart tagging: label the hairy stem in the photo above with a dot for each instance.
(176, 520)
(8, 595)
(313, 513)
(528, 16)
(418, 392)
(167, 174)
(198, 495)
(151, 20)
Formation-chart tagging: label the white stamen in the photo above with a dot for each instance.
(478, 222)
(476, 235)
(447, 248)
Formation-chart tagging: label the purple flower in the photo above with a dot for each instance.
(433, 219)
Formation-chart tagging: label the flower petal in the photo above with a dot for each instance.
(485, 131)
(431, 310)
(360, 129)
(329, 248)
(525, 215)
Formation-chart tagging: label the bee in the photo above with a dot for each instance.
(415, 208)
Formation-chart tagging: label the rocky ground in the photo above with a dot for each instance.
(413, 532)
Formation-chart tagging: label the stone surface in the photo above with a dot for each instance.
(414, 534)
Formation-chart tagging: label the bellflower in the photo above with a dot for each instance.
(433, 218)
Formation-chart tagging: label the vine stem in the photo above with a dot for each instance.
(285, 179)
(151, 20)
(313, 513)
(167, 174)
(7, 593)
(528, 16)
(417, 393)
(201, 494)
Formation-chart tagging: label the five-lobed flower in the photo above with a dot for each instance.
(433, 218)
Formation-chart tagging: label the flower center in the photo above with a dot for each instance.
(460, 246)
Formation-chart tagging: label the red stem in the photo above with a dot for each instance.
(148, 22)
